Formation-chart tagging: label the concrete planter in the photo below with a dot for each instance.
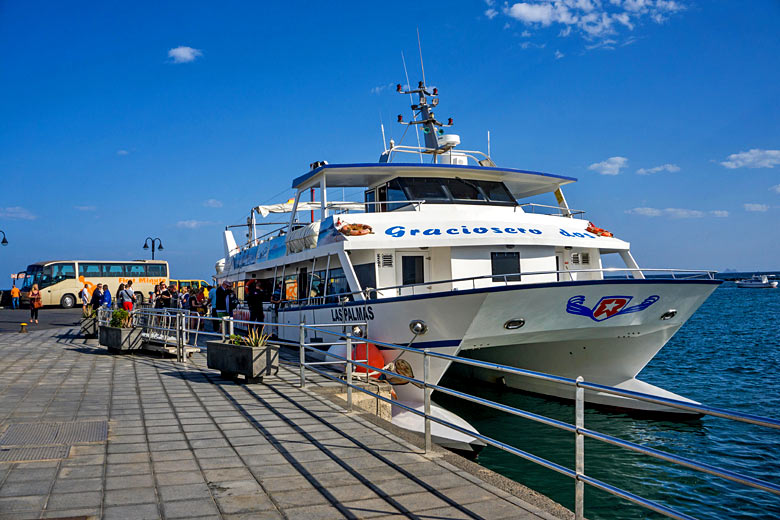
(88, 327)
(120, 339)
(251, 362)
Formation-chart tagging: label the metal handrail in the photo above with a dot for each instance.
(578, 474)
(559, 210)
(695, 273)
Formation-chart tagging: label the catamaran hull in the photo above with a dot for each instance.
(603, 330)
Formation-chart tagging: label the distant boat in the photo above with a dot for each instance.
(757, 282)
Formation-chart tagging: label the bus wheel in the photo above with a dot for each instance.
(139, 297)
(68, 301)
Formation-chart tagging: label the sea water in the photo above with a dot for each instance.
(728, 356)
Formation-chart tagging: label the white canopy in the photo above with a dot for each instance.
(305, 206)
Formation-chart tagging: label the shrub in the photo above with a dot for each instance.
(120, 318)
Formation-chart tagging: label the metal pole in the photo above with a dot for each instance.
(579, 451)
(301, 341)
(178, 337)
(427, 406)
(223, 328)
(349, 372)
(232, 326)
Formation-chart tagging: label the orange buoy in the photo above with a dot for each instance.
(370, 352)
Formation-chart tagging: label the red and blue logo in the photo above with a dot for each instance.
(608, 306)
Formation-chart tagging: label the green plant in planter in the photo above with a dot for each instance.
(235, 339)
(255, 338)
(120, 318)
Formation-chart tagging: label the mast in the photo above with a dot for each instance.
(433, 130)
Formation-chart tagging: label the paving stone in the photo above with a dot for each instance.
(75, 485)
(245, 503)
(136, 512)
(118, 470)
(189, 508)
(74, 500)
(182, 491)
(179, 477)
(158, 456)
(167, 466)
(129, 481)
(25, 488)
(72, 513)
(24, 474)
(122, 497)
(318, 512)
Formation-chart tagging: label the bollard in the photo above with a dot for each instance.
(24, 327)
(349, 372)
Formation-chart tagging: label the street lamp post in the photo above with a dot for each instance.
(5, 240)
(154, 241)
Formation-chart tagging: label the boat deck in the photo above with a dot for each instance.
(88, 434)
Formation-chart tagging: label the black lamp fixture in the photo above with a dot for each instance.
(4, 242)
(154, 241)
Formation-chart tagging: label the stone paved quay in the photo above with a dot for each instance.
(88, 434)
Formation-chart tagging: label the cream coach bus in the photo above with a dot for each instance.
(61, 281)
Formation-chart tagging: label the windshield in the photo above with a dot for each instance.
(434, 190)
(32, 272)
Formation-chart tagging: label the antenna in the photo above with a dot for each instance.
(416, 131)
(422, 67)
(382, 126)
(488, 143)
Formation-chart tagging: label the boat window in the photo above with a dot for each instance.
(370, 197)
(337, 285)
(395, 192)
(425, 189)
(366, 276)
(317, 284)
(412, 269)
(496, 191)
(464, 189)
(303, 283)
(505, 263)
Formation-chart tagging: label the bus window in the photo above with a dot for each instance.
(113, 270)
(156, 270)
(62, 272)
(135, 270)
(90, 270)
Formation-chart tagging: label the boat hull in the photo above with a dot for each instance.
(603, 330)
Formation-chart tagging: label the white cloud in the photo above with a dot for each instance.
(213, 203)
(677, 212)
(593, 19)
(84, 208)
(756, 207)
(184, 54)
(17, 213)
(491, 13)
(754, 158)
(380, 88)
(611, 166)
(663, 168)
(192, 224)
(559, 55)
(775, 188)
(122, 152)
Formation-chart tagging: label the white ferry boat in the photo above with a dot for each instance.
(453, 244)
(757, 282)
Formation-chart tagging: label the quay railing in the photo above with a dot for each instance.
(349, 334)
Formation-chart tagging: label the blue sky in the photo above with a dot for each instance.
(123, 120)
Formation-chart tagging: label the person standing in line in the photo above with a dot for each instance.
(164, 298)
(174, 302)
(15, 293)
(129, 298)
(97, 297)
(35, 303)
(254, 298)
(85, 296)
(106, 298)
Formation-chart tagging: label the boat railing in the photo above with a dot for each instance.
(489, 280)
(346, 206)
(546, 209)
(347, 334)
(420, 150)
